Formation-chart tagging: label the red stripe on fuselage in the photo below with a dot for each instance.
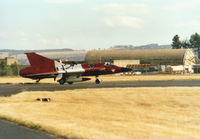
(99, 69)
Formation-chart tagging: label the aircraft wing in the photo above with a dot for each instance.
(43, 75)
(47, 73)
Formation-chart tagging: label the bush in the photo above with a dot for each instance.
(6, 70)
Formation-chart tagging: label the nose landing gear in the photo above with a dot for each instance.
(38, 80)
(97, 81)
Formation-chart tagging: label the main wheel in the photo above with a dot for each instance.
(70, 82)
(61, 82)
(97, 81)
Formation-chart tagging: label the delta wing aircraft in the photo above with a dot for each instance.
(42, 67)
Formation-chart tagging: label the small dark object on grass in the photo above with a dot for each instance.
(44, 99)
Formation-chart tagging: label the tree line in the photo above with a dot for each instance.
(8, 70)
(193, 42)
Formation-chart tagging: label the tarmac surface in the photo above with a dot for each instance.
(10, 89)
(10, 130)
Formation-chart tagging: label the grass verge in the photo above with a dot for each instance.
(171, 112)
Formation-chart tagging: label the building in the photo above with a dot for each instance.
(3, 55)
(9, 60)
(124, 63)
(153, 57)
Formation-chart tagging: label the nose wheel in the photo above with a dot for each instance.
(97, 81)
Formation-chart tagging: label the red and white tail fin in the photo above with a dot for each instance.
(41, 62)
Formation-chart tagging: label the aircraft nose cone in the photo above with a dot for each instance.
(126, 69)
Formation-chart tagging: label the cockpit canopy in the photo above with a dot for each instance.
(109, 64)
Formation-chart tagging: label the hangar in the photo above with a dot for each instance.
(153, 57)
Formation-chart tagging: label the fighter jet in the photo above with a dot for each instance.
(42, 67)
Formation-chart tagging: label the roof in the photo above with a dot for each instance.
(162, 56)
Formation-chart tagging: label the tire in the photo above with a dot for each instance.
(97, 81)
(70, 82)
(61, 82)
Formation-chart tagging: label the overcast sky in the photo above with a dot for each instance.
(93, 24)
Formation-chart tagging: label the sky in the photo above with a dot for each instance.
(94, 24)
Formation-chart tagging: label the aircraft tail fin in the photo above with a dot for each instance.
(41, 62)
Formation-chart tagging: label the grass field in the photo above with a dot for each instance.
(116, 113)
(112, 78)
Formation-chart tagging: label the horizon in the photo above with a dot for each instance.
(87, 24)
(80, 49)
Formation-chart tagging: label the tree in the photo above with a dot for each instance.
(6, 70)
(185, 44)
(195, 42)
(15, 69)
(2, 68)
(176, 43)
(9, 71)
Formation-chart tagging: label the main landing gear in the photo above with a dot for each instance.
(62, 81)
(97, 81)
(70, 82)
